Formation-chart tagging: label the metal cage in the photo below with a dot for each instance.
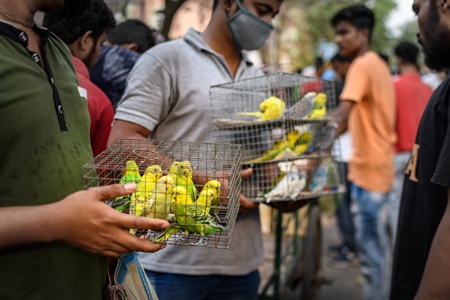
(165, 193)
(282, 122)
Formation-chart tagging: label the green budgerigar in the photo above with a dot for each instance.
(131, 175)
(141, 196)
(191, 217)
(215, 185)
(160, 202)
(291, 139)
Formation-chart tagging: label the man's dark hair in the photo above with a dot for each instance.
(318, 62)
(358, 15)
(339, 58)
(132, 31)
(408, 52)
(216, 2)
(97, 18)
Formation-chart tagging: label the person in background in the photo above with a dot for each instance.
(84, 36)
(367, 109)
(123, 46)
(132, 35)
(421, 261)
(412, 96)
(54, 236)
(345, 251)
(167, 97)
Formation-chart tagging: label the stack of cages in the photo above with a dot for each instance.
(282, 121)
(194, 186)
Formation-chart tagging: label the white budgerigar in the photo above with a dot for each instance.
(302, 108)
(290, 186)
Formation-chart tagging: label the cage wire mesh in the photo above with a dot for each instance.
(194, 186)
(282, 121)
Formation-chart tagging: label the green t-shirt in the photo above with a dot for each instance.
(41, 159)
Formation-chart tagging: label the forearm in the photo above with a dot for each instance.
(20, 226)
(435, 282)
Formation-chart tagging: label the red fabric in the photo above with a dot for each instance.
(100, 108)
(412, 96)
(313, 86)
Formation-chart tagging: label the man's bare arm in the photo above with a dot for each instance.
(127, 130)
(436, 277)
(81, 220)
(341, 115)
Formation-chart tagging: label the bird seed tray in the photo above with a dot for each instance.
(194, 186)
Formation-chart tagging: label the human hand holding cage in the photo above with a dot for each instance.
(209, 173)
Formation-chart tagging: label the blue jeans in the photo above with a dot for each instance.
(370, 209)
(344, 216)
(205, 287)
(400, 162)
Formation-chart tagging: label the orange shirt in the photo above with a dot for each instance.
(371, 122)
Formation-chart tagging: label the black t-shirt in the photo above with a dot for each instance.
(424, 198)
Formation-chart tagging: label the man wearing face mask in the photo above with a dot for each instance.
(51, 249)
(167, 97)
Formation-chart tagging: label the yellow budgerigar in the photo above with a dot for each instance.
(291, 139)
(205, 199)
(160, 202)
(215, 185)
(271, 108)
(184, 178)
(303, 143)
(144, 189)
(320, 108)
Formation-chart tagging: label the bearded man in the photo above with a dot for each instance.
(421, 260)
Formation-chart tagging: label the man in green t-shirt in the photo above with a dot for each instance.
(51, 248)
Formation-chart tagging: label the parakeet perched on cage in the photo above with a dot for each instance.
(324, 135)
(205, 198)
(302, 108)
(290, 186)
(320, 108)
(131, 175)
(173, 170)
(214, 185)
(160, 202)
(191, 217)
(271, 108)
(141, 196)
(303, 143)
(291, 139)
(167, 233)
(184, 178)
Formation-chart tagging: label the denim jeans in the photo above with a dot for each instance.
(400, 162)
(370, 211)
(205, 287)
(344, 216)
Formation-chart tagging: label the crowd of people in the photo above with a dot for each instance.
(82, 82)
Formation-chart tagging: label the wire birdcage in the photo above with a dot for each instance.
(282, 122)
(194, 186)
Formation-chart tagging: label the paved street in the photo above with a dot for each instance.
(339, 284)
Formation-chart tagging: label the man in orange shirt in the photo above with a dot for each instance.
(367, 109)
(412, 96)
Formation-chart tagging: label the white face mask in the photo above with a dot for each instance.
(249, 31)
